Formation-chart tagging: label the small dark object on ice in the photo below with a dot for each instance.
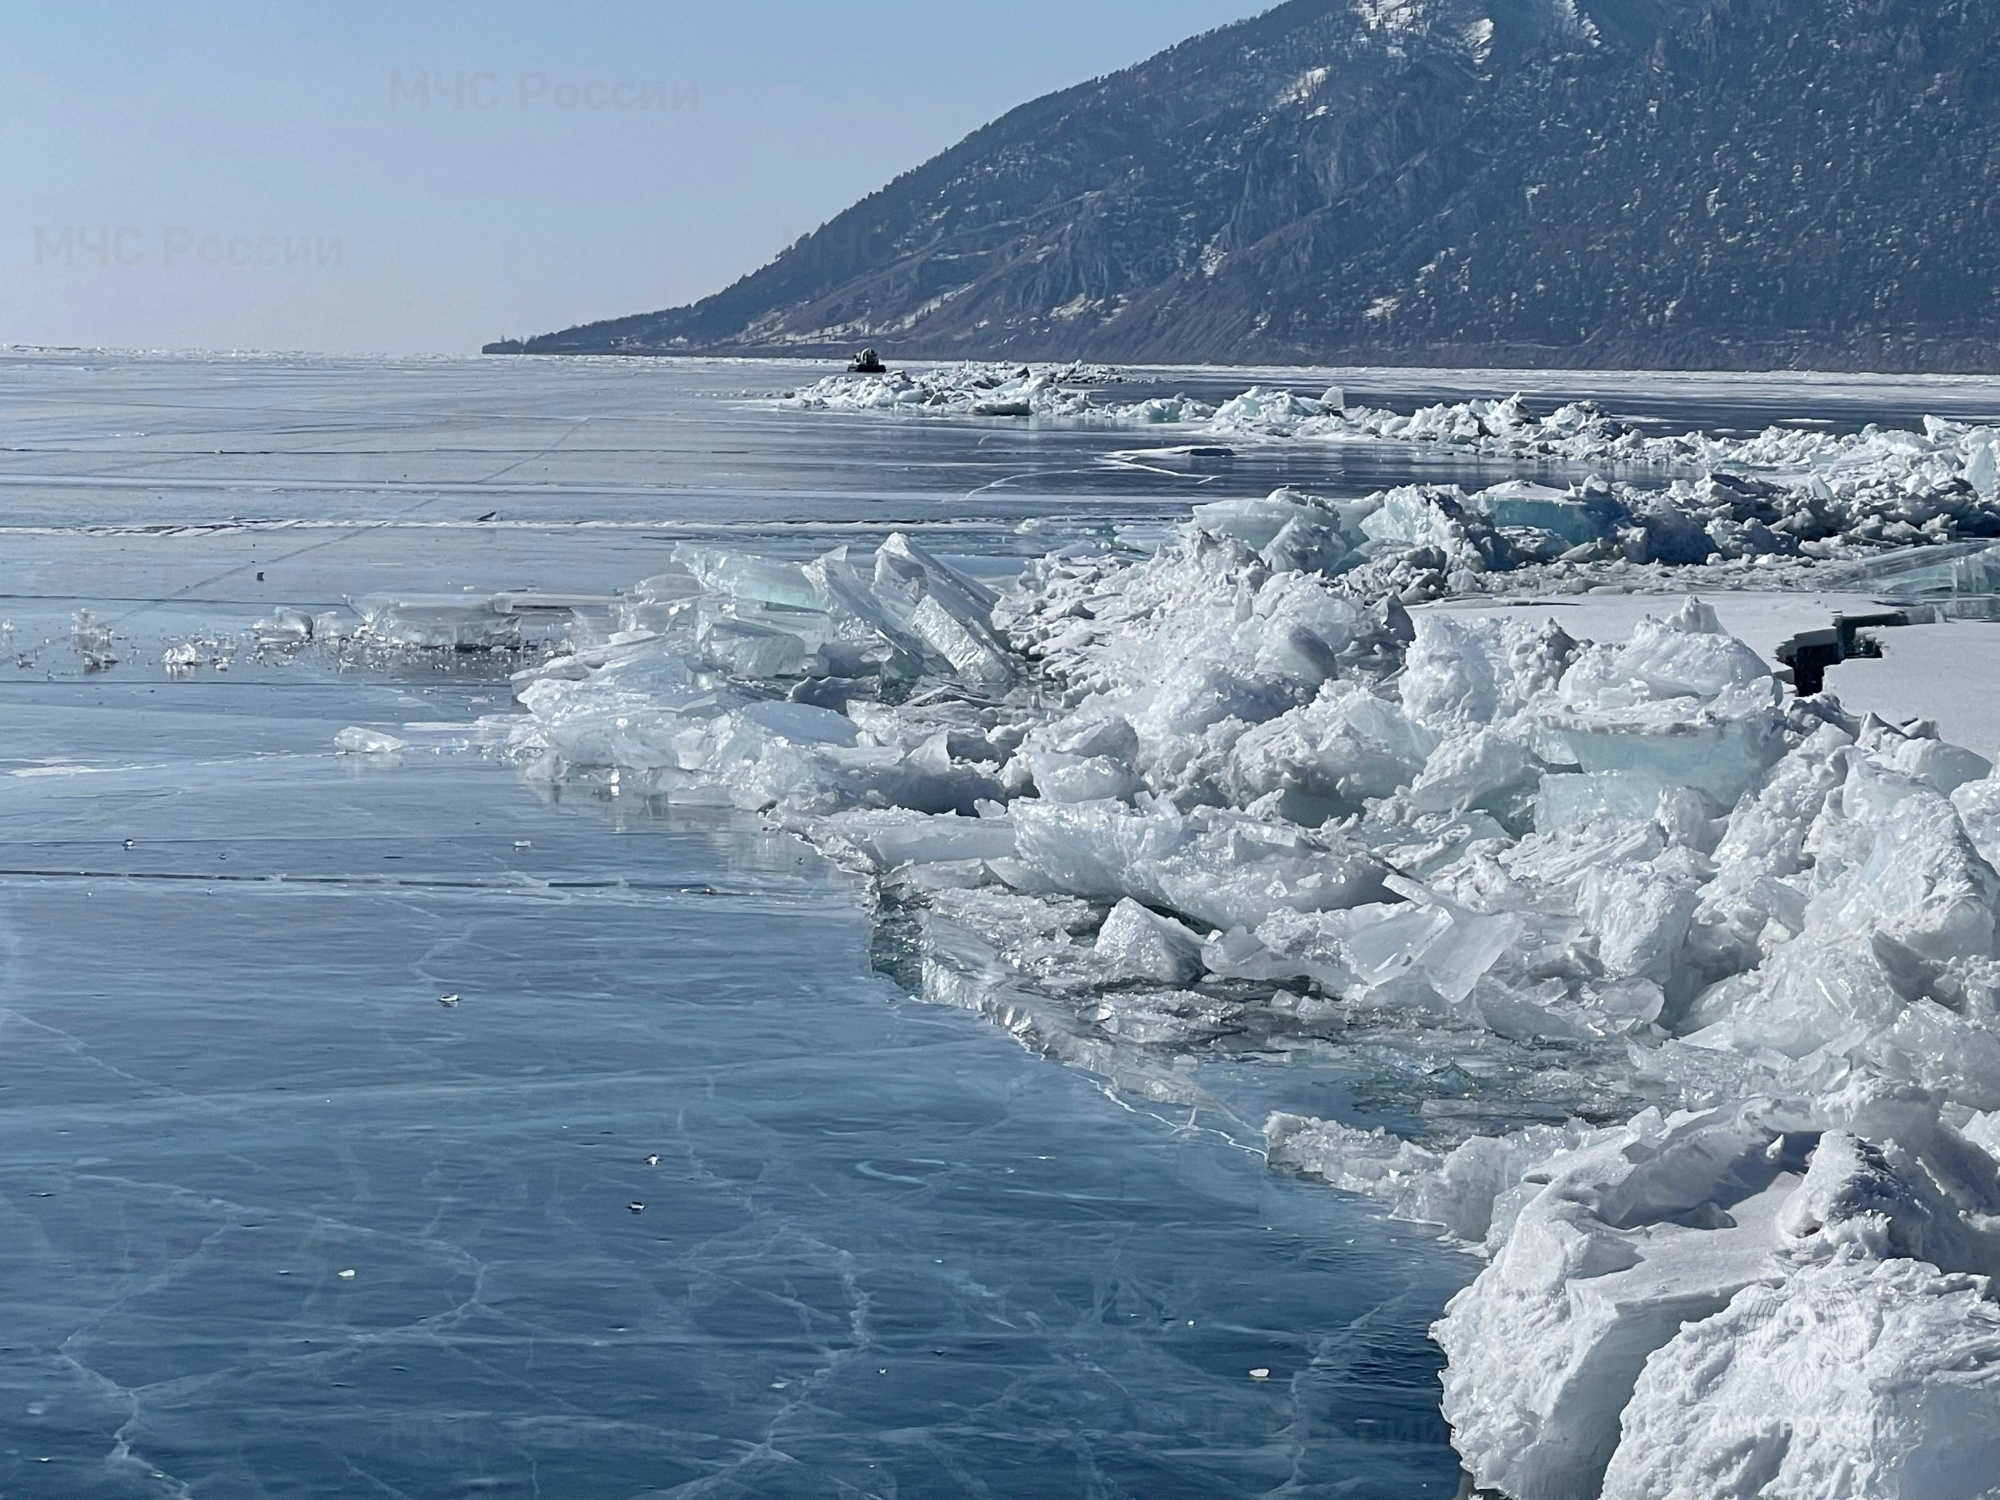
(824, 692)
(1807, 655)
(867, 362)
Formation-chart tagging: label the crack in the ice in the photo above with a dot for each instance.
(76, 1047)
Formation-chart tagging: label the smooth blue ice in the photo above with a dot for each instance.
(882, 1249)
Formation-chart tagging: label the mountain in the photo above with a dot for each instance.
(1682, 183)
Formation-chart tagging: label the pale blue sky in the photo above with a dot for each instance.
(239, 174)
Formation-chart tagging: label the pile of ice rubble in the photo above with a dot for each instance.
(1784, 493)
(1423, 542)
(971, 390)
(1163, 798)
(1582, 432)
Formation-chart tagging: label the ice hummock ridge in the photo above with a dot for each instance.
(1136, 804)
(1784, 494)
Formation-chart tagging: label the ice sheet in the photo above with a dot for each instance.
(1173, 818)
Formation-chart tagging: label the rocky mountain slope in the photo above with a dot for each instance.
(1728, 183)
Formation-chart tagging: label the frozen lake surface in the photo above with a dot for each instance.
(681, 1195)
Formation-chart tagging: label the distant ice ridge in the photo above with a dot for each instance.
(1581, 432)
(1135, 809)
(975, 390)
(1421, 542)
(1786, 492)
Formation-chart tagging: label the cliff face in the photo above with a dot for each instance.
(1739, 183)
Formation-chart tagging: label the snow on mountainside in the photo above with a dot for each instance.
(1581, 182)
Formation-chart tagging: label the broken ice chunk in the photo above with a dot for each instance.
(1411, 516)
(1461, 673)
(1216, 865)
(1861, 1379)
(1866, 1373)
(1641, 915)
(1289, 529)
(1978, 805)
(1876, 1200)
(1722, 748)
(1257, 523)
(356, 740)
(1135, 943)
(93, 641)
(1080, 778)
(1589, 797)
(1493, 768)
(465, 622)
(1346, 746)
(1179, 1018)
(1261, 405)
(1944, 767)
(748, 648)
(1425, 952)
(285, 627)
(1811, 993)
(1611, 1321)
(1305, 547)
(1436, 520)
(1373, 1162)
(1461, 954)
(1686, 655)
(802, 722)
(844, 593)
(1240, 953)
(964, 641)
(1627, 1240)
(1433, 840)
(903, 563)
(1914, 873)
(948, 612)
(1460, 1191)
(897, 836)
(1577, 516)
(741, 576)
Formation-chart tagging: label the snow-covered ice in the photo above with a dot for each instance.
(1856, 1378)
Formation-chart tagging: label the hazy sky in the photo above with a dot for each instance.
(425, 175)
